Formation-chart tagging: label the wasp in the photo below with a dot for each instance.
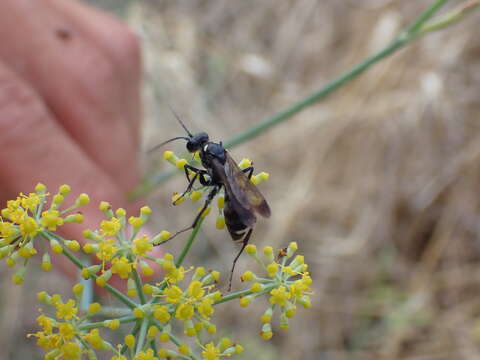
(243, 200)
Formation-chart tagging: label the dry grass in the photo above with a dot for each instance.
(378, 184)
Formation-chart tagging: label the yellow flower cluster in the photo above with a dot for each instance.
(70, 333)
(66, 336)
(287, 284)
(120, 247)
(192, 305)
(32, 216)
(196, 194)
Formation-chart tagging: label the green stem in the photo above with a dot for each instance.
(173, 338)
(142, 336)
(405, 37)
(139, 286)
(241, 293)
(134, 332)
(418, 23)
(153, 345)
(450, 18)
(100, 324)
(113, 312)
(189, 243)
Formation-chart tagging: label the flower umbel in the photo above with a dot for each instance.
(287, 284)
(27, 218)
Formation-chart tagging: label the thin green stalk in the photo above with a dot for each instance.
(173, 339)
(142, 336)
(413, 32)
(153, 345)
(113, 312)
(189, 243)
(452, 17)
(242, 293)
(139, 286)
(100, 324)
(134, 332)
(423, 18)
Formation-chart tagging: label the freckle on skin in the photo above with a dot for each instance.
(63, 34)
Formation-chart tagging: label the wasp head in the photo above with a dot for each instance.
(197, 141)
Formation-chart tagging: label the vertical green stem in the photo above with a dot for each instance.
(139, 286)
(189, 243)
(142, 335)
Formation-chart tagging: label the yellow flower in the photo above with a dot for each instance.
(30, 202)
(266, 332)
(7, 230)
(205, 308)
(122, 267)
(110, 227)
(145, 355)
(138, 313)
(45, 323)
(71, 351)
(184, 312)
(130, 341)
(66, 330)
(272, 269)
(112, 324)
(152, 332)
(220, 222)
(195, 290)
(106, 249)
(184, 349)
(83, 199)
(160, 313)
(196, 195)
(66, 311)
(51, 219)
(279, 296)
(118, 357)
(94, 308)
(142, 245)
(173, 274)
(29, 227)
(94, 339)
(173, 293)
(211, 352)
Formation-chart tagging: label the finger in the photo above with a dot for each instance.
(118, 42)
(37, 149)
(78, 83)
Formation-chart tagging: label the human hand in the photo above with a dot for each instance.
(69, 103)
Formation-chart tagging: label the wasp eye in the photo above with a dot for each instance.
(193, 146)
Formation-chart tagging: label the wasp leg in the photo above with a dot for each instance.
(209, 199)
(199, 174)
(248, 171)
(245, 243)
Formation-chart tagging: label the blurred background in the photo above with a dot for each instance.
(378, 184)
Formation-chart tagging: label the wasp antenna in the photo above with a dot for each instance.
(156, 147)
(180, 121)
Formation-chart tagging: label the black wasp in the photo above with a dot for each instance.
(243, 200)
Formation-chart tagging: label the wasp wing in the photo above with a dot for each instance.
(237, 209)
(243, 189)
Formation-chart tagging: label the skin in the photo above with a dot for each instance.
(69, 104)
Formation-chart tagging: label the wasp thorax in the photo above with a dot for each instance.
(197, 141)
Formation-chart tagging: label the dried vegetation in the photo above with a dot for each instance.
(379, 184)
